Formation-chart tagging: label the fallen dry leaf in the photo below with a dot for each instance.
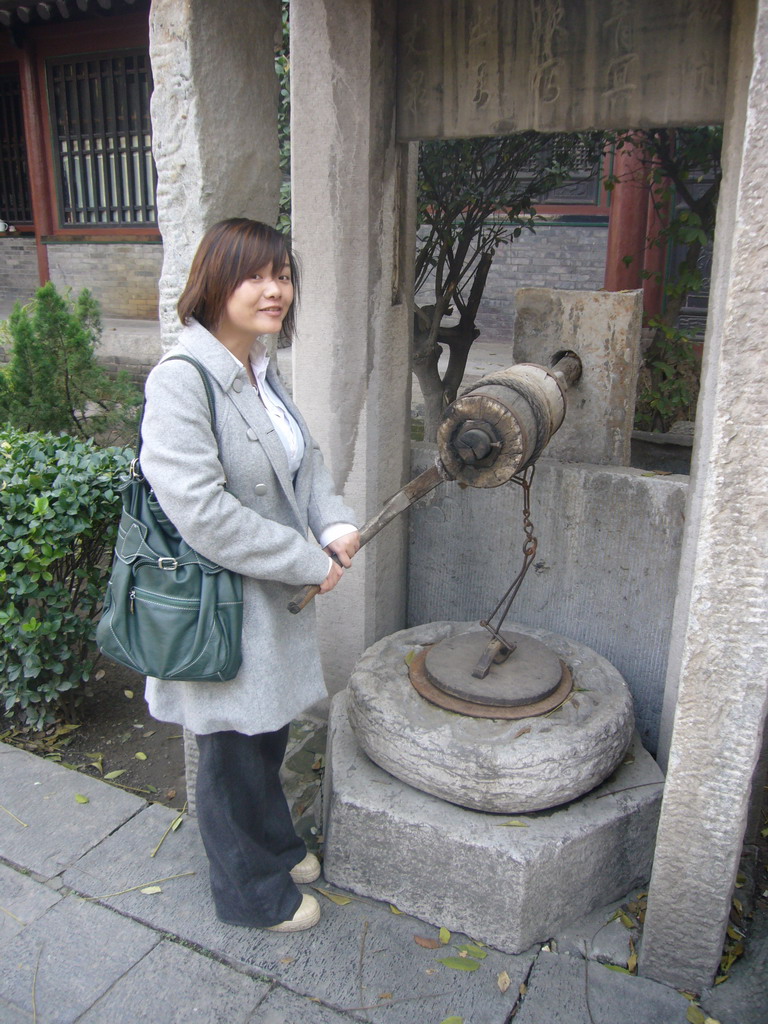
(503, 981)
(426, 943)
(334, 897)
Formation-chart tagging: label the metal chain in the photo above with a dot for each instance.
(524, 480)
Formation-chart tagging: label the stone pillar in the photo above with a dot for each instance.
(214, 125)
(717, 683)
(352, 357)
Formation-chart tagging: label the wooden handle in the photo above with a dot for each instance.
(398, 503)
(302, 598)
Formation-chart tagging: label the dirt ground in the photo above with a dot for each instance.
(117, 734)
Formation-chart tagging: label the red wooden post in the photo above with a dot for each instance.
(627, 222)
(34, 129)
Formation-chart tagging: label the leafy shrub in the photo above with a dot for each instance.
(53, 382)
(59, 504)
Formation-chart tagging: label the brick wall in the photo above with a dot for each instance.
(18, 269)
(569, 256)
(122, 276)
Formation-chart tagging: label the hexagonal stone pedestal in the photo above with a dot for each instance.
(509, 885)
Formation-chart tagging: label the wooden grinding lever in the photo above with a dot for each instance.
(493, 431)
(415, 489)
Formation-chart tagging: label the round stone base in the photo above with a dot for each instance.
(490, 764)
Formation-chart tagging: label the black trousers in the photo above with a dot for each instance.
(246, 827)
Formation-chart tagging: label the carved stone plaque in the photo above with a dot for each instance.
(492, 67)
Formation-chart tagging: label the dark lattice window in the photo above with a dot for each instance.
(103, 139)
(583, 185)
(15, 204)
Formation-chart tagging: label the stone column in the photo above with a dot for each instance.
(352, 357)
(214, 125)
(720, 650)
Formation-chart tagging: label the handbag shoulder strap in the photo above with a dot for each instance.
(208, 394)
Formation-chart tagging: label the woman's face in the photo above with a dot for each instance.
(258, 305)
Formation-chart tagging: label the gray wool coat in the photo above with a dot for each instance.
(257, 524)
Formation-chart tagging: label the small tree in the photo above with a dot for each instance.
(53, 382)
(682, 168)
(474, 194)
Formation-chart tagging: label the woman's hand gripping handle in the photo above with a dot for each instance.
(339, 550)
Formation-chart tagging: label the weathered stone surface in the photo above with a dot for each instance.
(603, 329)
(605, 572)
(507, 885)
(490, 764)
(493, 68)
(719, 646)
(58, 828)
(565, 991)
(186, 985)
(68, 958)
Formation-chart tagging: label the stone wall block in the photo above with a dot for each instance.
(603, 328)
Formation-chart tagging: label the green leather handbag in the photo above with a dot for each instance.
(168, 612)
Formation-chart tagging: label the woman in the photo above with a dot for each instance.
(246, 498)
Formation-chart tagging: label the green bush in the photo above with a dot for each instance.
(59, 506)
(53, 382)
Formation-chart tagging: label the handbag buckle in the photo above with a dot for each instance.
(134, 470)
(167, 563)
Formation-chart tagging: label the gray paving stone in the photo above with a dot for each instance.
(358, 951)
(70, 956)
(283, 1007)
(59, 829)
(187, 985)
(10, 1014)
(565, 990)
(22, 901)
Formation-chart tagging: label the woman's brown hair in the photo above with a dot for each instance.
(229, 253)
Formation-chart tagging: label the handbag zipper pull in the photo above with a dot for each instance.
(132, 599)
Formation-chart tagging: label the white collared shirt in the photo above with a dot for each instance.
(287, 429)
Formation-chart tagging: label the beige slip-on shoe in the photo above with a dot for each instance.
(307, 870)
(307, 915)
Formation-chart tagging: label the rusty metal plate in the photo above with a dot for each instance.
(531, 673)
(430, 692)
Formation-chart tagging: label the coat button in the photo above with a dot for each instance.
(237, 385)
(251, 434)
(260, 489)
